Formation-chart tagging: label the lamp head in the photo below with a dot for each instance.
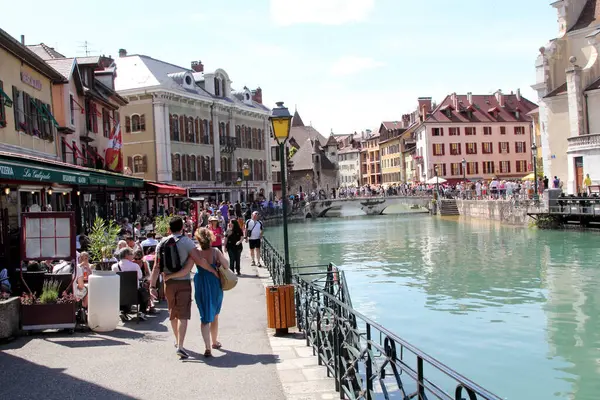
(246, 170)
(281, 122)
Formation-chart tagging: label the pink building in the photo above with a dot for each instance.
(491, 133)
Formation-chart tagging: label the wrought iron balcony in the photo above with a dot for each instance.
(228, 144)
(584, 142)
(232, 177)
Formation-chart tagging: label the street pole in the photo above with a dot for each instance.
(247, 198)
(286, 250)
(535, 177)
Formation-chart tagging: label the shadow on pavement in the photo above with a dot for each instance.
(22, 379)
(232, 359)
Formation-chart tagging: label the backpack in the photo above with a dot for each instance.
(169, 256)
(254, 226)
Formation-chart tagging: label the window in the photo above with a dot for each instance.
(140, 164)
(519, 130)
(190, 135)
(519, 147)
(182, 127)
(522, 166)
(192, 169)
(206, 130)
(173, 127)
(455, 149)
(217, 84)
(503, 130)
(505, 167)
(488, 167)
(437, 132)
(438, 149)
(486, 148)
(472, 168)
(197, 136)
(71, 108)
(138, 123)
(3, 108)
(440, 168)
(274, 153)
(92, 116)
(176, 166)
(471, 148)
(471, 131)
(487, 130)
(454, 132)
(259, 135)
(238, 134)
(456, 169)
(105, 122)
(503, 148)
(184, 166)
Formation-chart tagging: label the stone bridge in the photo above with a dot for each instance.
(369, 205)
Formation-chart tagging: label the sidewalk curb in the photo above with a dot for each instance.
(299, 372)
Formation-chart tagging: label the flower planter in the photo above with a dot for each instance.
(9, 317)
(48, 316)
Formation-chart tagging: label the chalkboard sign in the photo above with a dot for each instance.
(48, 236)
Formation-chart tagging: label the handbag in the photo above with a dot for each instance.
(228, 279)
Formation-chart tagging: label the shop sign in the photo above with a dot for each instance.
(113, 182)
(31, 81)
(26, 173)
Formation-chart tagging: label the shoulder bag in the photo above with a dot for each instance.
(228, 279)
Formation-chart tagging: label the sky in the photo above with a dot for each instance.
(346, 65)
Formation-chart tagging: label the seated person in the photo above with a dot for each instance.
(63, 267)
(4, 282)
(84, 264)
(131, 243)
(121, 244)
(80, 290)
(126, 264)
(150, 240)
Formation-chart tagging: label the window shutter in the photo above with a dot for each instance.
(459, 149)
(143, 122)
(443, 149)
(145, 163)
(130, 163)
(16, 108)
(212, 168)
(507, 148)
(441, 131)
(128, 124)
(211, 131)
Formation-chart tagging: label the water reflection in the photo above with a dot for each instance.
(499, 304)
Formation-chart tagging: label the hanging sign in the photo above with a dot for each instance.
(31, 81)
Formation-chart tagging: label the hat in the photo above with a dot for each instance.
(213, 219)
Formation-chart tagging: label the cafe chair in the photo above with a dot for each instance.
(129, 294)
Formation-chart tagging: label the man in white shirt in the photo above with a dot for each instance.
(254, 232)
(126, 263)
(150, 240)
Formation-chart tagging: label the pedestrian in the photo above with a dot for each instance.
(234, 237)
(207, 288)
(215, 228)
(171, 254)
(254, 233)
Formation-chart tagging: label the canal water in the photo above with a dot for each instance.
(515, 309)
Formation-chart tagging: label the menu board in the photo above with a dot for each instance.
(48, 236)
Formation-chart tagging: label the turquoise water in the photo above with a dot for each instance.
(514, 309)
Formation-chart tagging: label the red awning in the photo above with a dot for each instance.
(167, 189)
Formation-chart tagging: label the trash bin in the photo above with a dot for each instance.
(281, 309)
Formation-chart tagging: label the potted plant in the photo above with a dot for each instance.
(102, 237)
(50, 310)
(161, 225)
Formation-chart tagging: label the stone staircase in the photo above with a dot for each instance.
(448, 207)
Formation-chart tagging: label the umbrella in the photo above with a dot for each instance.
(435, 179)
(529, 177)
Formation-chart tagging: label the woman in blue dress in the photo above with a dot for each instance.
(207, 288)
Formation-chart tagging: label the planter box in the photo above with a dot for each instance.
(48, 316)
(9, 317)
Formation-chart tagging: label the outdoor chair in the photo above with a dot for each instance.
(129, 293)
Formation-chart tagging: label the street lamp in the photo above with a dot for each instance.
(246, 171)
(437, 182)
(464, 165)
(535, 178)
(281, 121)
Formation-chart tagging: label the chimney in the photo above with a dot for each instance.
(424, 106)
(470, 98)
(122, 53)
(518, 94)
(23, 40)
(257, 95)
(197, 66)
(454, 98)
(500, 97)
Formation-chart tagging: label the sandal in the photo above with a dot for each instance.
(217, 346)
(207, 353)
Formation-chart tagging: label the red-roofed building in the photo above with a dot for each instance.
(492, 133)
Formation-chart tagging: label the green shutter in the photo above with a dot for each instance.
(49, 114)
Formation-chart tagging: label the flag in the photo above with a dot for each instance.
(114, 152)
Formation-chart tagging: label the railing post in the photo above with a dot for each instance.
(318, 330)
(420, 379)
(369, 365)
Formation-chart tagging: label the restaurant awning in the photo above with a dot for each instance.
(19, 167)
(166, 189)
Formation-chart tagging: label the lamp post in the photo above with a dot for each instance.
(246, 171)
(535, 178)
(464, 165)
(281, 122)
(437, 182)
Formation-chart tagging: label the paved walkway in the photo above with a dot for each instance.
(137, 361)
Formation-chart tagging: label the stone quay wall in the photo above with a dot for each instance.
(505, 211)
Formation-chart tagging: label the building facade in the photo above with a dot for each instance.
(370, 159)
(349, 167)
(491, 133)
(188, 127)
(568, 86)
(391, 152)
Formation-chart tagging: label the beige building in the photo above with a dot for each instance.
(188, 127)
(568, 85)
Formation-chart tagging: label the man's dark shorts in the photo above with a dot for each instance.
(179, 299)
(254, 243)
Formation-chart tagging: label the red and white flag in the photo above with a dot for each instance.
(114, 152)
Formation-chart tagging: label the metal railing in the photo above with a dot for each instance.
(366, 360)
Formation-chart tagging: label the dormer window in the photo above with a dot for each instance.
(188, 80)
(217, 87)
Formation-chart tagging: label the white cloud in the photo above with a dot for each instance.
(351, 65)
(325, 12)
